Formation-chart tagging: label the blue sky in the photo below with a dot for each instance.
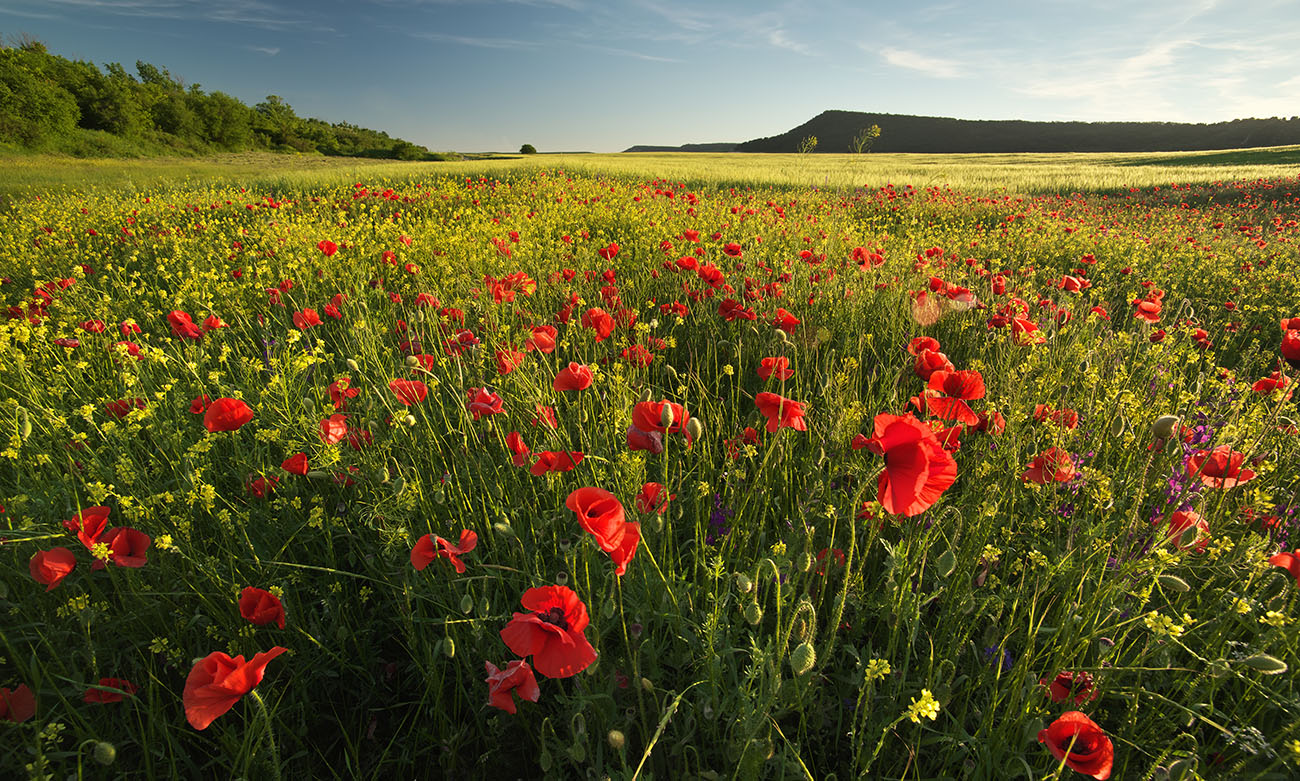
(602, 75)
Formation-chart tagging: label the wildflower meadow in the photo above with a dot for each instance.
(550, 473)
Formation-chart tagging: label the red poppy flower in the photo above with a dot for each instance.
(1025, 332)
(508, 360)
(212, 323)
(409, 392)
(608, 253)
(1274, 381)
(97, 693)
(575, 376)
(183, 326)
(295, 464)
(1079, 741)
(957, 388)
(1188, 529)
(638, 439)
(327, 247)
(638, 355)
(731, 310)
(1289, 562)
(340, 391)
(423, 553)
(600, 321)
(89, 524)
(545, 417)
(652, 416)
(1053, 464)
(18, 705)
(307, 318)
(917, 469)
(261, 607)
(50, 567)
(216, 682)
(543, 339)
(785, 321)
(226, 415)
(551, 632)
(1066, 418)
(333, 429)
(930, 361)
(517, 677)
(127, 547)
(200, 405)
(121, 407)
(991, 422)
(733, 249)
(781, 412)
(1070, 686)
(555, 461)
(1219, 468)
(836, 555)
(518, 450)
(599, 513)
(483, 402)
(653, 499)
(1291, 346)
(778, 367)
(922, 343)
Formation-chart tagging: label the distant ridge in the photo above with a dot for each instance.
(906, 133)
(718, 147)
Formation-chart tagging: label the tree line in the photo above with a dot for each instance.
(49, 103)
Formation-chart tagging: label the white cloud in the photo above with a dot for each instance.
(267, 50)
(931, 66)
(779, 39)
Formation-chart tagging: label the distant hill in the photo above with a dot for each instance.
(719, 147)
(904, 133)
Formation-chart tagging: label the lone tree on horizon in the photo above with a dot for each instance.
(527, 149)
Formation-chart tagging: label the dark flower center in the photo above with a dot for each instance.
(554, 616)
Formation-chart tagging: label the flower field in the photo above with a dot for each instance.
(555, 474)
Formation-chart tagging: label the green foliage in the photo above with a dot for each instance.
(527, 149)
(862, 141)
(808, 145)
(49, 103)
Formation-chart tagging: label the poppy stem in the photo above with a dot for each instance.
(268, 735)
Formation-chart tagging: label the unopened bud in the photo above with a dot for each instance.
(694, 429)
(408, 421)
(753, 613)
(616, 740)
(353, 365)
(666, 416)
(647, 394)
(466, 604)
(412, 361)
(1164, 426)
(743, 583)
(104, 753)
(803, 658)
(1269, 665)
(449, 647)
(805, 561)
(647, 685)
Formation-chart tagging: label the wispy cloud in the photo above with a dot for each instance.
(267, 50)
(483, 43)
(930, 66)
(252, 13)
(780, 40)
(28, 14)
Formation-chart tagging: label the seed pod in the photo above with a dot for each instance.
(803, 658)
(694, 428)
(1164, 426)
(753, 613)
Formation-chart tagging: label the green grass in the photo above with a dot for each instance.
(736, 645)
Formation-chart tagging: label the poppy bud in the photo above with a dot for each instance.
(753, 613)
(24, 428)
(408, 421)
(805, 561)
(694, 429)
(671, 372)
(484, 606)
(467, 604)
(666, 416)
(104, 753)
(616, 740)
(411, 362)
(743, 583)
(1164, 426)
(353, 365)
(503, 528)
(608, 609)
(1117, 426)
(449, 647)
(647, 685)
(647, 394)
(317, 474)
(1173, 581)
(803, 658)
(1268, 665)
